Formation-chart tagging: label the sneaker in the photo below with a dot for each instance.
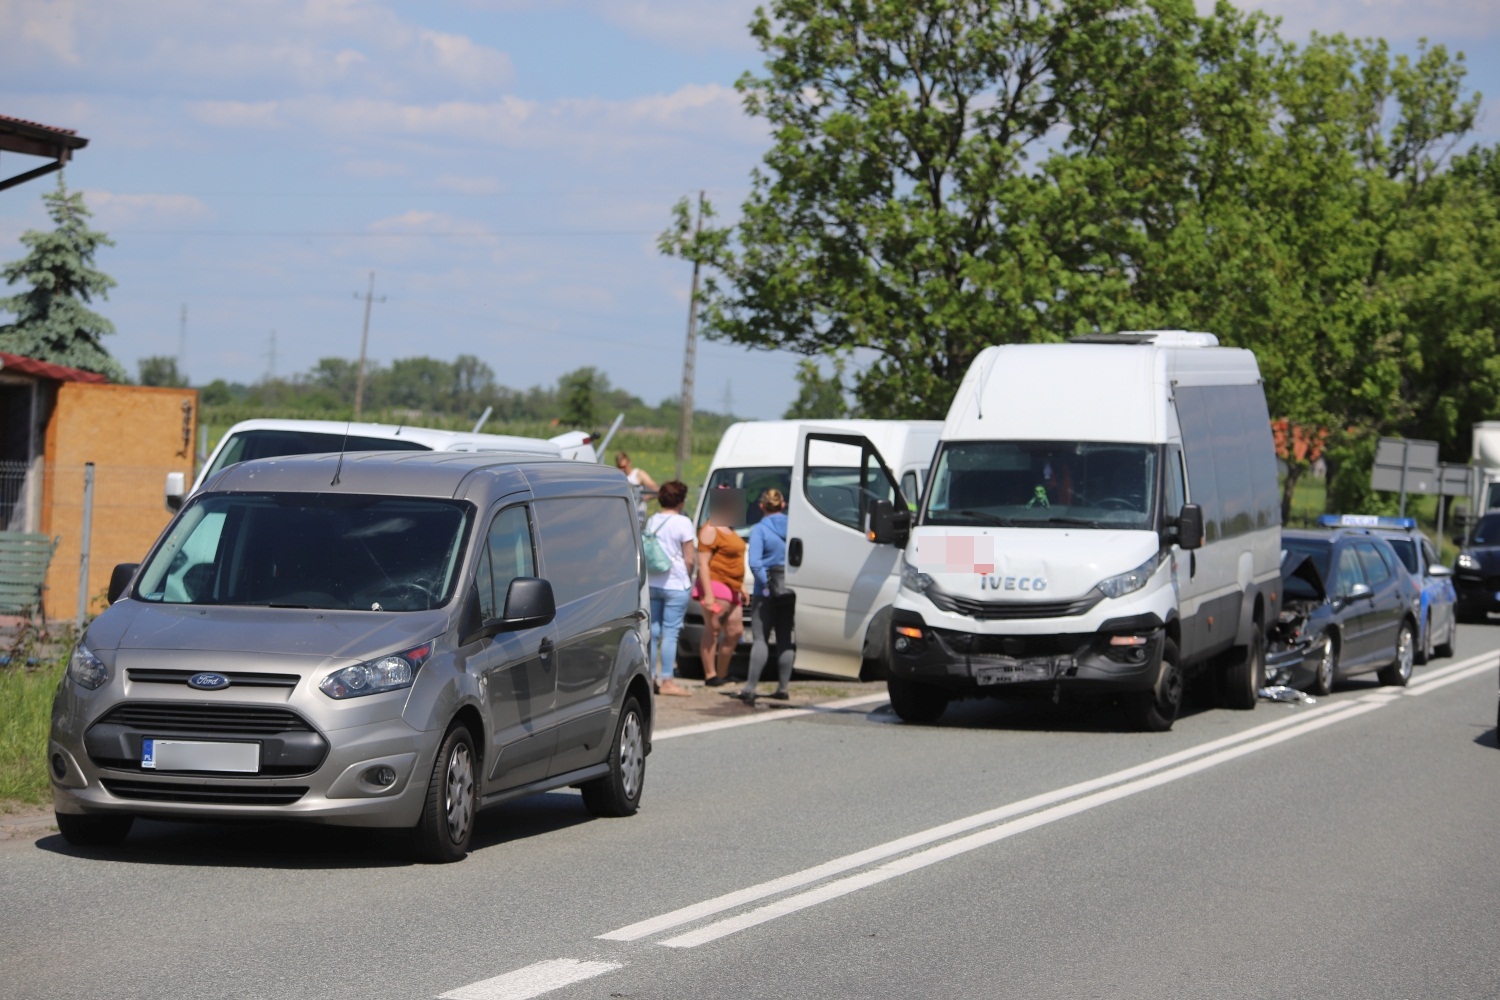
(714, 682)
(748, 697)
(781, 695)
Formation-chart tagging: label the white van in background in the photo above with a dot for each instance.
(251, 439)
(1102, 518)
(834, 619)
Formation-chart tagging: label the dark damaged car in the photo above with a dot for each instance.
(1347, 608)
(1476, 574)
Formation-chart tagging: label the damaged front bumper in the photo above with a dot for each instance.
(1293, 664)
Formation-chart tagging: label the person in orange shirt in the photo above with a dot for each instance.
(721, 586)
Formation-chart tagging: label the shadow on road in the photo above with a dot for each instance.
(295, 846)
(1490, 739)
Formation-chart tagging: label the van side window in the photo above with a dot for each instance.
(833, 480)
(1176, 492)
(588, 545)
(1198, 450)
(507, 554)
(1231, 462)
(911, 489)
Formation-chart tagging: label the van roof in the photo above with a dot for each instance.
(404, 473)
(437, 440)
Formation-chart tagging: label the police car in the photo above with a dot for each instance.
(1437, 627)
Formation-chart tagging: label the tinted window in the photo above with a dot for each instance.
(1318, 552)
(507, 554)
(911, 489)
(1376, 571)
(1406, 551)
(1350, 574)
(1487, 532)
(1176, 490)
(588, 545)
(1231, 460)
(248, 445)
(310, 550)
(1428, 555)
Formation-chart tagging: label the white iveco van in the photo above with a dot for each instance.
(841, 625)
(1102, 518)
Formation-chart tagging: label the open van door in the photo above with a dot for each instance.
(841, 578)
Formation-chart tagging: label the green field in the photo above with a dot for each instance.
(26, 693)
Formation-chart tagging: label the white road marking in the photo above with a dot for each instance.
(774, 715)
(532, 981)
(849, 862)
(1474, 671)
(974, 841)
(1428, 676)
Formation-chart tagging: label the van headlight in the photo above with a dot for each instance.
(914, 579)
(386, 673)
(1129, 583)
(87, 670)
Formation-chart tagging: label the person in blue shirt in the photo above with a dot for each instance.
(772, 606)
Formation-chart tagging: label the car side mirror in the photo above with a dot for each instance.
(176, 490)
(528, 604)
(888, 524)
(1439, 572)
(1190, 527)
(1360, 590)
(119, 580)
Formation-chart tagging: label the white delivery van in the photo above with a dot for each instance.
(250, 439)
(1486, 458)
(1102, 518)
(835, 622)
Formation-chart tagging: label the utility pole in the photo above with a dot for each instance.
(364, 339)
(729, 397)
(689, 360)
(182, 339)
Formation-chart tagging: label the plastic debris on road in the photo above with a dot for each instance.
(1281, 692)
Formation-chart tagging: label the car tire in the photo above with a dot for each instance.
(618, 793)
(1154, 711)
(93, 831)
(1328, 667)
(916, 702)
(446, 826)
(1424, 652)
(1398, 671)
(1246, 674)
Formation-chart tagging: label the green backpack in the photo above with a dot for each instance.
(657, 560)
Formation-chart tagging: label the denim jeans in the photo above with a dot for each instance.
(667, 610)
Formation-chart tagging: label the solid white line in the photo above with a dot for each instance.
(1474, 671)
(775, 715)
(532, 981)
(849, 862)
(963, 845)
(1428, 676)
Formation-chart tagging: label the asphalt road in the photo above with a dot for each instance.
(1345, 849)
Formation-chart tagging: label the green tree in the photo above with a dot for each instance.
(161, 370)
(53, 319)
(580, 395)
(819, 397)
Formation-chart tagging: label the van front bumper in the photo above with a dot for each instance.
(1125, 656)
(340, 790)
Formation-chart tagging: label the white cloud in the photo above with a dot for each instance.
(689, 24)
(111, 208)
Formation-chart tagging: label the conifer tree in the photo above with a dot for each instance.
(53, 319)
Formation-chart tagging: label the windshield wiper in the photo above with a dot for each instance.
(985, 518)
(1081, 522)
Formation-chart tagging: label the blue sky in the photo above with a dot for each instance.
(503, 166)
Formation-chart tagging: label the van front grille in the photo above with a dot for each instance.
(1011, 610)
(163, 718)
(207, 793)
(237, 678)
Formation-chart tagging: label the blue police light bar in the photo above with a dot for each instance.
(1366, 521)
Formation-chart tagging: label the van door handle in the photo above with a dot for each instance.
(794, 552)
(544, 652)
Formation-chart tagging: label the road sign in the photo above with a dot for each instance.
(1455, 480)
(1405, 466)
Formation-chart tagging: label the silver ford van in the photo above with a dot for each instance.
(376, 639)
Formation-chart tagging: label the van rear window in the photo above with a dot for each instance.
(247, 445)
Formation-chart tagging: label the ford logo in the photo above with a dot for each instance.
(208, 682)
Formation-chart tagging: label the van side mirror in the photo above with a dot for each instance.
(888, 524)
(528, 604)
(176, 490)
(119, 580)
(1190, 527)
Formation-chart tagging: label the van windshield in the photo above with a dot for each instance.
(754, 481)
(310, 550)
(1045, 484)
(246, 445)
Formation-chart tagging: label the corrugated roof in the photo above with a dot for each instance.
(49, 128)
(46, 369)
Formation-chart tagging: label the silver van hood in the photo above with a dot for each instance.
(134, 624)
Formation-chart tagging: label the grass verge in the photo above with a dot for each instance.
(26, 694)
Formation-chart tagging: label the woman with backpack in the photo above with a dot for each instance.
(668, 541)
(772, 606)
